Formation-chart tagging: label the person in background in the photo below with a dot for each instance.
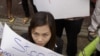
(72, 27)
(9, 13)
(95, 24)
(25, 6)
(95, 21)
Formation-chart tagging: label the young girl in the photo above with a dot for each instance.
(42, 30)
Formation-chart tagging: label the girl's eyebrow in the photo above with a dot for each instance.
(46, 33)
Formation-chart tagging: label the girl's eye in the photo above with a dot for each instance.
(45, 34)
(36, 34)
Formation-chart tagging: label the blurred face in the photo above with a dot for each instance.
(41, 35)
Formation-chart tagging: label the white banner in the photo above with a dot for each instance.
(64, 8)
(14, 45)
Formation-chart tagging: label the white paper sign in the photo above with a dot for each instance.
(14, 45)
(1, 30)
(64, 8)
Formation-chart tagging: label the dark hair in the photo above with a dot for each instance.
(40, 19)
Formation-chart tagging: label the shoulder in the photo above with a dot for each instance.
(24, 35)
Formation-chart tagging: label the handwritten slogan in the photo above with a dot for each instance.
(14, 45)
(64, 8)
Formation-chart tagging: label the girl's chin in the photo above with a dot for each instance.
(40, 44)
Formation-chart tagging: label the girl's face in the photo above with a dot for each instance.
(41, 35)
